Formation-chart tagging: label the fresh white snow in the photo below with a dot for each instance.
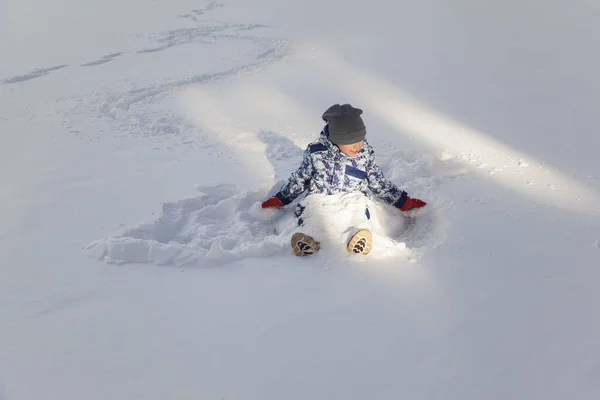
(137, 140)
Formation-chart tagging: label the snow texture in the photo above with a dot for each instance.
(138, 139)
(222, 226)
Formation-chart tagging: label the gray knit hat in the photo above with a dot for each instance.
(345, 124)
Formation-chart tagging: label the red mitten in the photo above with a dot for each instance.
(412, 203)
(272, 202)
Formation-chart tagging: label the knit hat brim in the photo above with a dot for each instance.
(347, 137)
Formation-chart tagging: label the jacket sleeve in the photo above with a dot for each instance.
(381, 187)
(298, 181)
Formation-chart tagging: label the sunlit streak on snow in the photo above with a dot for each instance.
(492, 159)
(235, 114)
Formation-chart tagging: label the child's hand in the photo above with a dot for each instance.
(272, 202)
(412, 203)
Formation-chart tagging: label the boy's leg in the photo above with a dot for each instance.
(300, 207)
(304, 245)
(361, 242)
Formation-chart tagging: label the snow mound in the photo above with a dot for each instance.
(222, 226)
(332, 220)
(217, 227)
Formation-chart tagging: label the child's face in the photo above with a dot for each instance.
(351, 149)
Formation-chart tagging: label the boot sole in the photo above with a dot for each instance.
(361, 242)
(304, 245)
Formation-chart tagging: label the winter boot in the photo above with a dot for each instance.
(361, 242)
(304, 245)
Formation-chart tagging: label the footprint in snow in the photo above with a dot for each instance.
(38, 73)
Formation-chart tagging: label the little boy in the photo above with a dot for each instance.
(340, 161)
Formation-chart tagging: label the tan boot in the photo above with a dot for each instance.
(304, 245)
(361, 242)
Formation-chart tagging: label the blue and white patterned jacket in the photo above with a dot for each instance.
(326, 170)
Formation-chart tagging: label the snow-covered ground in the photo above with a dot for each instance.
(139, 138)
